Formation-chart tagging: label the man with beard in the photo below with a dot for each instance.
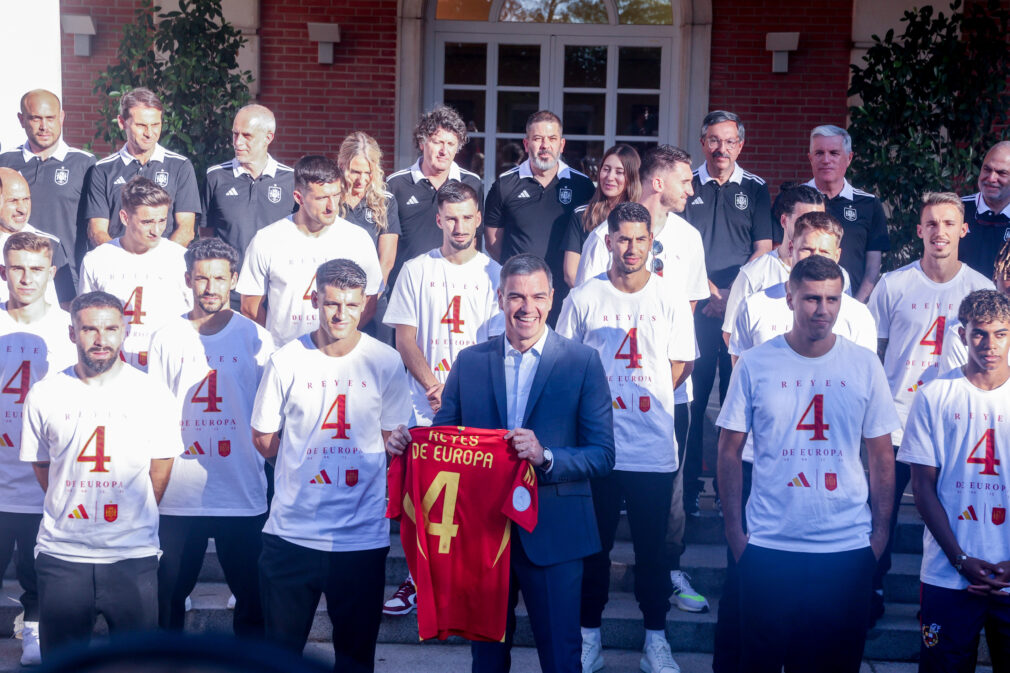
(212, 359)
(529, 206)
(146, 272)
(102, 437)
(33, 337)
(642, 327)
(987, 211)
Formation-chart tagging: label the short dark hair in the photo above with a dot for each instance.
(96, 299)
(211, 248)
(820, 221)
(628, 211)
(455, 192)
(662, 158)
(139, 97)
(718, 117)
(984, 306)
(790, 195)
(315, 169)
(140, 191)
(342, 274)
(815, 268)
(440, 117)
(543, 116)
(524, 264)
(26, 240)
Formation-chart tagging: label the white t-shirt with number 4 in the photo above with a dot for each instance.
(28, 351)
(99, 441)
(214, 379)
(912, 313)
(453, 306)
(637, 335)
(152, 287)
(280, 264)
(330, 477)
(807, 416)
(964, 432)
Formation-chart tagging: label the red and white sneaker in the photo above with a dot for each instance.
(403, 601)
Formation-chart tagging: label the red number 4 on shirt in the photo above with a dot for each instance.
(99, 459)
(989, 461)
(819, 427)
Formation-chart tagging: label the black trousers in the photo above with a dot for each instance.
(951, 621)
(71, 595)
(647, 495)
(902, 475)
(293, 577)
(184, 544)
(17, 541)
(713, 355)
(726, 654)
(806, 612)
(677, 521)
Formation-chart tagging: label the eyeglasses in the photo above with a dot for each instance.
(714, 143)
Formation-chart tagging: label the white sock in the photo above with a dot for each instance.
(651, 635)
(593, 634)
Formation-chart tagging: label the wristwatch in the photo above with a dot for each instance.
(548, 460)
(959, 561)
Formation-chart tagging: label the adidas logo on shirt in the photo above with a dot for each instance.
(231, 192)
(523, 195)
(412, 201)
(697, 201)
(119, 181)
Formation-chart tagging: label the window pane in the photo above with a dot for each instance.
(645, 12)
(471, 156)
(514, 107)
(509, 154)
(583, 113)
(585, 156)
(585, 66)
(470, 105)
(641, 148)
(463, 10)
(465, 63)
(554, 11)
(519, 65)
(637, 114)
(639, 67)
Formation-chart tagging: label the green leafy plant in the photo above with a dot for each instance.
(189, 57)
(933, 100)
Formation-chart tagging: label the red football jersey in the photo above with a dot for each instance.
(470, 487)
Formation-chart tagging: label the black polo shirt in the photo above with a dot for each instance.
(362, 216)
(576, 234)
(236, 206)
(862, 218)
(987, 232)
(415, 202)
(535, 219)
(56, 186)
(731, 218)
(170, 171)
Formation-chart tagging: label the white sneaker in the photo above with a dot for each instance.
(684, 595)
(189, 603)
(403, 601)
(657, 657)
(592, 655)
(231, 602)
(31, 654)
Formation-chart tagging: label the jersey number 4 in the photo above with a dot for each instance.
(632, 355)
(99, 458)
(341, 425)
(133, 309)
(818, 426)
(989, 461)
(23, 376)
(445, 529)
(937, 330)
(211, 399)
(451, 316)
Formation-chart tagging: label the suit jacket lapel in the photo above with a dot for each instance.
(496, 364)
(547, 360)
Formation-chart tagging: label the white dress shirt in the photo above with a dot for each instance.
(520, 369)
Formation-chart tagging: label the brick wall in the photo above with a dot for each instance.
(316, 105)
(780, 109)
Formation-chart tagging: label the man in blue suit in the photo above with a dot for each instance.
(552, 395)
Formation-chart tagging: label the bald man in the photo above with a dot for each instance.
(243, 195)
(15, 209)
(987, 212)
(56, 175)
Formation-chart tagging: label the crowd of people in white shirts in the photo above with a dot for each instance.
(149, 427)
